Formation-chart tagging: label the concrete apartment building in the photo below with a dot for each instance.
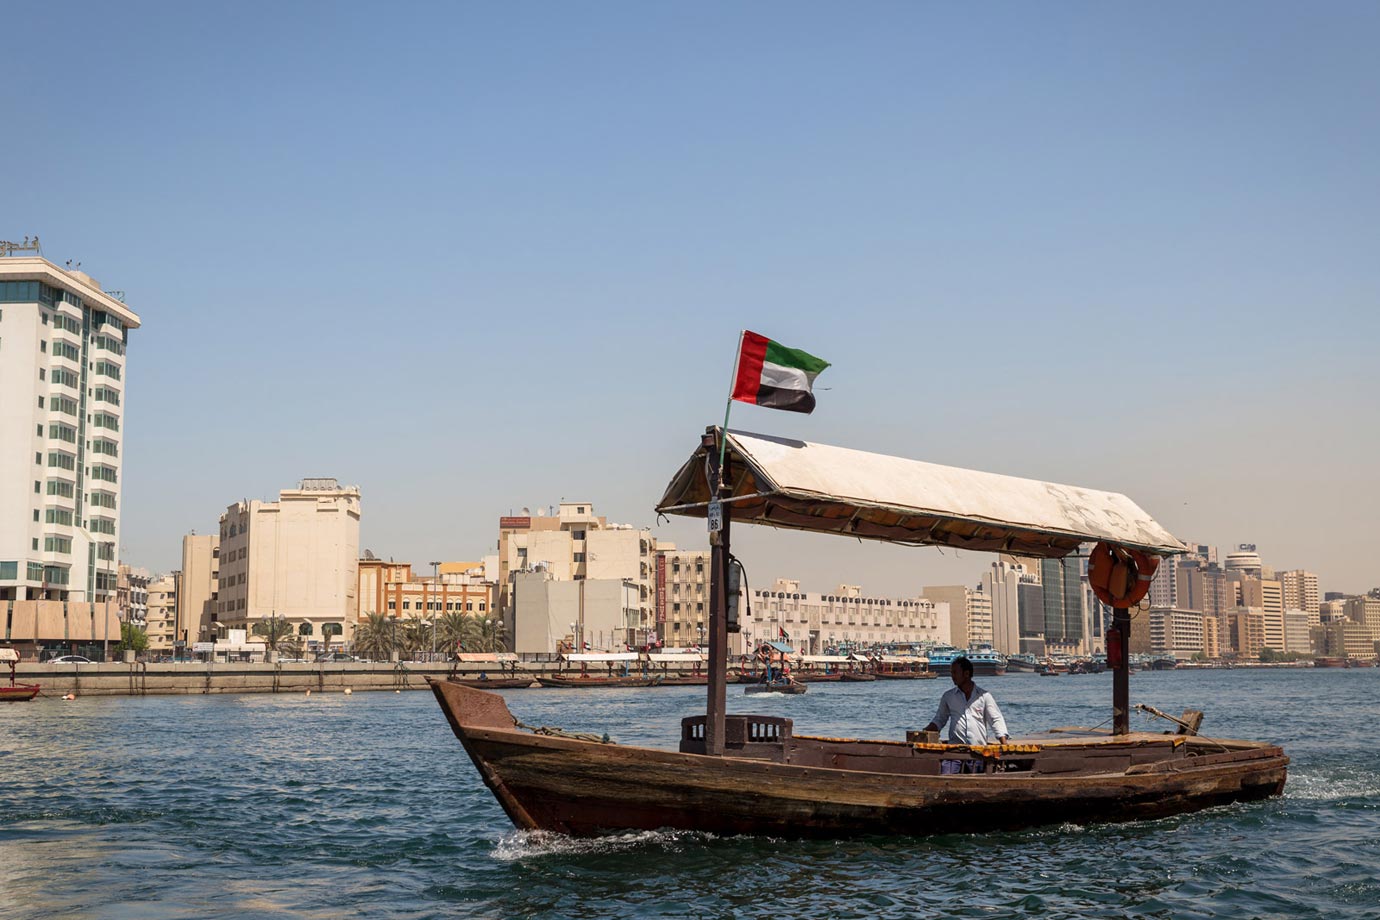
(162, 615)
(62, 409)
(296, 559)
(961, 600)
(1344, 639)
(1001, 583)
(593, 614)
(1300, 590)
(1364, 609)
(453, 587)
(198, 587)
(576, 544)
(132, 595)
(843, 617)
(1267, 596)
(682, 599)
(1176, 632)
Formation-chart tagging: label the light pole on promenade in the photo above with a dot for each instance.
(435, 603)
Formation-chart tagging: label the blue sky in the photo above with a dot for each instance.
(475, 257)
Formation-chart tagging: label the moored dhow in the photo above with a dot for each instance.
(752, 774)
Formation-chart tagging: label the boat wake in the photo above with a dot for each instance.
(520, 845)
(1321, 787)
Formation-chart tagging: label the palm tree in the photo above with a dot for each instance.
(450, 632)
(374, 636)
(274, 631)
(490, 634)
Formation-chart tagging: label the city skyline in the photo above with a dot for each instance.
(1157, 285)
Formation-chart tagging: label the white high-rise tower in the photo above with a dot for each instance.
(62, 382)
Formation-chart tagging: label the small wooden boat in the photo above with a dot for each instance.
(683, 680)
(818, 677)
(494, 683)
(15, 692)
(751, 774)
(858, 676)
(586, 682)
(786, 685)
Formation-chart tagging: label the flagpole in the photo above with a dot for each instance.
(732, 383)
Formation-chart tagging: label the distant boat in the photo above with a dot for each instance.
(779, 685)
(15, 692)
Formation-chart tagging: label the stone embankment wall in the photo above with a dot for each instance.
(138, 678)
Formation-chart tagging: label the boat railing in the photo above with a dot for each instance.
(758, 737)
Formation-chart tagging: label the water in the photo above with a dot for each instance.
(366, 805)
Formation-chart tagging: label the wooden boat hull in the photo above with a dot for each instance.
(793, 688)
(857, 678)
(818, 678)
(494, 683)
(19, 693)
(906, 675)
(590, 683)
(688, 680)
(586, 788)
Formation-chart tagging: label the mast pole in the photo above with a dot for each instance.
(718, 600)
(1121, 673)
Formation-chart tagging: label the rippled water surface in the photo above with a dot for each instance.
(366, 805)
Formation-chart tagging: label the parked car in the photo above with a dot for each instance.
(70, 659)
(336, 656)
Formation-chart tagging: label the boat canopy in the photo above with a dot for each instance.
(601, 657)
(900, 659)
(486, 656)
(676, 657)
(798, 485)
(781, 647)
(8, 654)
(825, 659)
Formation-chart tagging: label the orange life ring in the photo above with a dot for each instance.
(1120, 577)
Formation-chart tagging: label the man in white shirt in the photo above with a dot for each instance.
(971, 713)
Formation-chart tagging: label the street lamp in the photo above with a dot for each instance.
(92, 574)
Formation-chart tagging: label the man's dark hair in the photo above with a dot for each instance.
(964, 665)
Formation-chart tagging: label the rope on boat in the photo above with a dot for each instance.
(1151, 710)
(553, 731)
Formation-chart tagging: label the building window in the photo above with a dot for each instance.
(579, 557)
(56, 544)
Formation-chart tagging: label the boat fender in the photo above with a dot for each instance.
(1121, 577)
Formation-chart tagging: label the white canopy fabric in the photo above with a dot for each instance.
(8, 654)
(602, 657)
(900, 659)
(486, 656)
(676, 657)
(824, 659)
(817, 487)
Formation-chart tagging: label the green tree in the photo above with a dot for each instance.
(1269, 654)
(374, 636)
(275, 631)
(132, 638)
(451, 632)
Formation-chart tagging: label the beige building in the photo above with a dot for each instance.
(296, 559)
(1332, 611)
(198, 588)
(392, 588)
(682, 600)
(162, 615)
(1176, 632)
(965, 604)
(1267, 596)
(1246, 629)
(132, 595)
(1300, 590)
(843, 617)
(1298, 625)
(553, 615)
(1212, 635)
(1344, 639)
(62, 389)
(575, 544)
(1365, 610)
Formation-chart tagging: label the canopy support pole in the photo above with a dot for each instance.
(718, 606)
(1121, 673)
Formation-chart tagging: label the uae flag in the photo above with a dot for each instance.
(770, 374)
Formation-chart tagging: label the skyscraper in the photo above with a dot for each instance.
(1063, 596)
(62, 378)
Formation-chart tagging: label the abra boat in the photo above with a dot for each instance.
(15, 692)
(752, 774)
(582, 679)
